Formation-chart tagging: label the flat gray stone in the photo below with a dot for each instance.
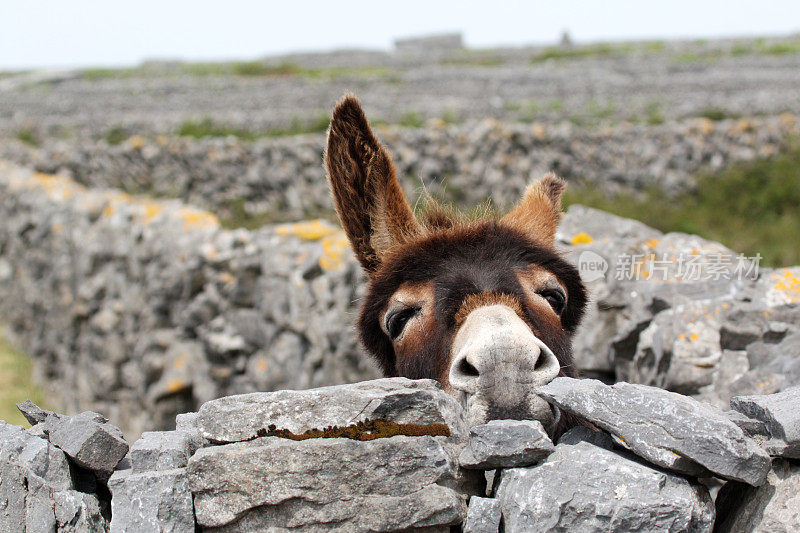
(585, 488)
(583, 433)
(88, 440)
(32, 412)
(750, 426)
(780, 412)
(505, 444)
(771, 508)
(239, 418)
(483, 515)
(384, 484)
(665, 428)
(163, 450)
(151, 501)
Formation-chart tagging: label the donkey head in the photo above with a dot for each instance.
(485, 305)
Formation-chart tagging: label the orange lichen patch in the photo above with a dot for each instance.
(788, 284)
(226, 277)
(682, 336)
(788, 120)
(742, 126)
(334, 249)
(180, 361)
(151, 211)
(137, 142)
(694, 336)
(704, 125)
(538, 131)
(582, 238)
(162, 140)
(363, 431)
(261, 365)
(57, 228)
(652, 243)
(312, 230)
(176, 385)
(195, 219)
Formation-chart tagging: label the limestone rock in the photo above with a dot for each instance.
(584, 488)
(384, 484)
(667, 429)
(780, 413)
(506, 443)
(163, 450)
(771, 508)
(151, 501)
(88, 440)
(401, 400)
(483, 516)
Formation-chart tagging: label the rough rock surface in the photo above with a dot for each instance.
(774, 507)
(151, 501)
(667, 429)
(582, 487)
(505, 444)
(38, 490)
(779, 413)
(258, 482)
(88, 439)
(483, 515)
(239, 418)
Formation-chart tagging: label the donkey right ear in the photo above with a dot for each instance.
(374, 211)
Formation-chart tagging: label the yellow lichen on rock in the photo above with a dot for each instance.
(787, 286)
(334, 248)
(311, 230)
(582, 238)
(196, 219)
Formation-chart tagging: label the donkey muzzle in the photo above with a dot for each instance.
(496, 364)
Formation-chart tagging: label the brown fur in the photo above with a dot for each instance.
(370, 203)
(446, 264)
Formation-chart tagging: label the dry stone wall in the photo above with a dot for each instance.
(466, 163)
(262, 461)
(143, 309)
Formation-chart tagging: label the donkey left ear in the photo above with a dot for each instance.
(539, 212)
(369, 200)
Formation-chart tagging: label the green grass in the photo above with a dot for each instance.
(751, 207)
(207, 127)
(28, 136)
(412, 119)
(115, 135)
(716, 114)
(16, 384)
(580, 52)
(654, 113)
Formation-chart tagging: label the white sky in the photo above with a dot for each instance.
(67, 33)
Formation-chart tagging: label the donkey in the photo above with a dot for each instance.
(483, 304)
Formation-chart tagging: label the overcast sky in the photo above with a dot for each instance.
(67, 33)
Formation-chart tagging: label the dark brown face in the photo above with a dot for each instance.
(483, 310)
(485, 307)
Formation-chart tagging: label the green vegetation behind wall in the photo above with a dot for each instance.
(751, 207)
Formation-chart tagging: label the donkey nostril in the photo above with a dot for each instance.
(540, 362)
(466, 368)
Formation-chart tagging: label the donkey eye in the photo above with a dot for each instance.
(556, 298)
(396, 321)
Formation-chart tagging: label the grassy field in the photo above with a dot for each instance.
(750, 207)
(16, 384)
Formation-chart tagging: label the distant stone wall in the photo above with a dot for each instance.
(466, 163)
(144, 309)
